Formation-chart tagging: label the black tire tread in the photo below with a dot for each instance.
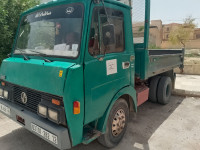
(153, 89)
(162, 98)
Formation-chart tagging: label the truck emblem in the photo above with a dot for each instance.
(69, 10)
(24, 97)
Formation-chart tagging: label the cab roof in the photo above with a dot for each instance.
(58, 2)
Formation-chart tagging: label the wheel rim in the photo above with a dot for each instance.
(118, 122)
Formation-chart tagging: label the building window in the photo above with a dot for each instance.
(167, 29)
(167, 36)
(198, 36)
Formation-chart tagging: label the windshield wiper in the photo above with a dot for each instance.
(25, 57)
(39, 54)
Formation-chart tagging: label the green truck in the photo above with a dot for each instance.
(78, 67)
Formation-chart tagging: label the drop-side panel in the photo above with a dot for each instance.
(164, 60)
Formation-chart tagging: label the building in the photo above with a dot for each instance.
(156, 33)
(168, 28)
(197, 34)
(159, 35)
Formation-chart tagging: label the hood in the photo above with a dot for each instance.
(36, 74)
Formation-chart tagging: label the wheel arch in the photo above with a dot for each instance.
(129, 94)
(130, 102)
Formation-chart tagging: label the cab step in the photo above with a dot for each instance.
(91, 135)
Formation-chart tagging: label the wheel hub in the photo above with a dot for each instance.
(118, 123)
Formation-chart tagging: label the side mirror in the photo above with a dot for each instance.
(108, 34)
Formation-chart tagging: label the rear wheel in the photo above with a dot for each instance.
(164, 90)
(153, 88)
(116, 124)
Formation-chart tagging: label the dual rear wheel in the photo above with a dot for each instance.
(160, 89)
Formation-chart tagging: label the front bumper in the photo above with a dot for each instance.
(32, 118)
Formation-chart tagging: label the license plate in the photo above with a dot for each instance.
(47, 135)
(5, 109)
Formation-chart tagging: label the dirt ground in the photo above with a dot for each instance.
(155, 127)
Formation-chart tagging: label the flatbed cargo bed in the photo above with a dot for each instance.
(164, 60)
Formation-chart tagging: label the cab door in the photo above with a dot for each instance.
(106, 65)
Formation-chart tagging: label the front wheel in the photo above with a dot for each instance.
(116, 124)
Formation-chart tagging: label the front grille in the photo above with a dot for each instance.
(33, 97)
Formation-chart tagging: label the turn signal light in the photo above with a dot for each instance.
(77, 107)
(56, 102)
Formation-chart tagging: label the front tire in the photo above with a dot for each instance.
(116, 124)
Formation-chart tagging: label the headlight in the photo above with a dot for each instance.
(1, 92)
(5, 94)
(53, 115)
(42, 110)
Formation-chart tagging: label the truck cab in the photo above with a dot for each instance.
(75, 73)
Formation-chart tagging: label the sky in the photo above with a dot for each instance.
(170, 11)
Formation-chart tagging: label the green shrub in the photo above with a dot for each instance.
(153, 46)
(10, 11)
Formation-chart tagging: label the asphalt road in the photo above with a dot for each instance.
(155, 127)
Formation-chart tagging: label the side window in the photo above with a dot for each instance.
(99, 20)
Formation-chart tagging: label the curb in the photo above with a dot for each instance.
(179, 92)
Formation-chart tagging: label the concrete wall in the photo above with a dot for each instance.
(190, 69)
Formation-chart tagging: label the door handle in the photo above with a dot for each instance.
(125, 65)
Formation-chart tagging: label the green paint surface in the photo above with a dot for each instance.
(36, 74)
(85, 79)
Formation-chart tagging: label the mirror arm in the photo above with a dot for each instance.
(108, 19)
(99, 33)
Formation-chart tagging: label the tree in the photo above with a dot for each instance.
(181, 35)
(10, 11)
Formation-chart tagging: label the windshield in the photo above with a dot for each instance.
(53, 32)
